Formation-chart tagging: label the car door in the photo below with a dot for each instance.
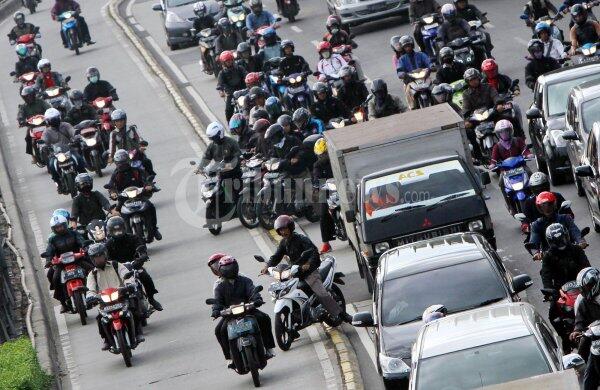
(575, 148)
(590, 184)
(537, 126)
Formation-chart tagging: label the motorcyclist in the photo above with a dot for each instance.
(26, 63)
(125, 176)
(325, 106)
(416, 10)
(271, 48)
(329, 63)
(107, 274)
(352, 93)
(584, 30)
(306, 123)
(274, 108)
(501, 82)
(228, 39)
(289, 128)
(80, 110)
(88, 204)
(139, 158)
(32, 106)
(336, 36)
(202, 21)
(398, 51)
(258, 17)
(223, 148)
(257, 141)
(257, 98)
(453, 27)
(568, 5)
(125, 247)
(21, 28)
(97, 87)
(409, 62)
(442, 93)
(538, 183)
(250, 62)
(320, 173)
(536, 9)
(302, 252)
(59, 133)
(235, 289)
(291, 63)
(546, 204)
(122, 136)
(434, 312)
(61, 6)
(469, 12)
(238, 125)
(538, 63)
(230, 79)
(383, 104)
(552, 47)
(48, 78)
(450, 70)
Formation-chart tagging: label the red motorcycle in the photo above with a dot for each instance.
(73, 277)
(564, 309)
(105, 106)
(36, 126)
(26, 79)
(33, 48)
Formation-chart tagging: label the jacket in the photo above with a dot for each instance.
(536, 11)
(392, 105)
(314, 126)
(586, 313)
(100, 279)
(26, 65)
(232, 292)
(518, 147)
(101, 88)
(328, 109)
(450, 73)
(536, 68)
(339, 38)
(207, 21)
(123, 249)
(538, 229)
(285, 154)
(483, 96)
(63, 135)
(293, 247)
(252, 64)
(353, 94)
(411, 62)
(531, 211)
(322, 169)
(253, 21)
(58, 244)
(128, 141)
(227, 42)
(125, 177)
(228, 150)
(38, 107)
(86, 207)
(231, 79)
(449, 31)
(554, 48)
(54, 79)
(293, 64)
(77, 115)
(502, 83)
(17, 31)
(417, 9)
(470, 13)
(562, 266)
(330, 66)
(62, 6)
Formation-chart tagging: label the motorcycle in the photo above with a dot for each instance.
(277, 197)
(70, 29)
(236, 13)
(65, 165)
(420, 87)
(274, 79)
(464, 49)
(563, 301)
(73, 277)
(91, 146)
(516, 182)
(297, 93)
(289, 9)
(334, 206)
(133, 210)
(247, 348)
(458, 88)
(31, 5)
(104, 106)
(586, 54)
(26, 79)
(483, 121)
(57, 97)
(359, 114)
(251, 183)
(296, 306)
(429, 30)
(206, 40)
(33, 48)
(36, 126)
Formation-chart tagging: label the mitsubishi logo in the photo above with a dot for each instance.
(426, 223)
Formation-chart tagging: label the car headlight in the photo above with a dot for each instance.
(475, 226)
(172, 17)
(90, 141)
(392, 365)
(382, 247)
(61, 157)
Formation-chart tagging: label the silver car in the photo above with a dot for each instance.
(355, 12)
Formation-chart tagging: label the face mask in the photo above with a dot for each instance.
(326, 54)
(335, 30)
(448, 60)
(94, 79)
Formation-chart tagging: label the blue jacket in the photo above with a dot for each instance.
(408, 63)
(314, 126)
(538, 229)
(265, 18)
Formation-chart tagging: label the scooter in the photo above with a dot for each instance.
(334, 208)
(91, 146)
(206, 40)
(429, 30)
(586, 54)
(484, 130)
(420, 87)
(251, 183)
(57, 97)
(104, 107)
(70, 29)
(289, 9)
(236, 13)
(297, 94)
(296, 306)
(36, 126)
(516, 182)
(65, 165)
(133, 210)
(564, 305)
(33, 48)
(248, 351)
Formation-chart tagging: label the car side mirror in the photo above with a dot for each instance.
(584, 171)
(157, 7)
(566, 205)
(520, 217)
(484, 176)
(521, 283)
(573, 360)
(211, 301)
(350, 216)
(533, 113)
(570, 135)
(363, 319)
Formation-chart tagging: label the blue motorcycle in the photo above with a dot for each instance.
(70, 30)
(516, 182)
(429, 30)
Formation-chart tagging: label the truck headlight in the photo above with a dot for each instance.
(382, 247)
(476, 226)
(392, 365)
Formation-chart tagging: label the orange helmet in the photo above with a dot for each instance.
(227, 55)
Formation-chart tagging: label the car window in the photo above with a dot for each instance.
(590, 113)
(592, 152)
(556, 98)
(549, 341)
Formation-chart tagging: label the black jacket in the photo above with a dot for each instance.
(233, 292)
(127, 177)
(483, 96)
(531, 211)
(449, 74)
(123, 249)
(252, 64)
(322, 169)
(285, 153)
(86, 207)
(562, 266)
(470, 13)
(536, 68)
(353, 94)
(227, 42)
(328, 109)
(293, 247)
(207, 21)
(17, 31)
(77, 115)
(293, 64)
(587, 312)
(102, 88)
(541, 9)
(58, 244)
(504, 84)
(26, 65)
(231, 79)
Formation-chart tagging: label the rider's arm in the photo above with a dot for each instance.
(103, 201)
(547, 272)
(573, 36)
(411, 12)
(92, 287)
(401, 69)
(580, 257)
(399, 104)
(208, 156)
(574, 231)
(278, 255)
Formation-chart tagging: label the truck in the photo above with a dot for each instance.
(406, 178)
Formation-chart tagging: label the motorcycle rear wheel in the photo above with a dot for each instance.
(264, 213)
(74, 40)
(97, 164)
(282, 336)
(80, 306)
(253, 365)
(124, 347)
(246, 212)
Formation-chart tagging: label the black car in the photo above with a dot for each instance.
(461, 271)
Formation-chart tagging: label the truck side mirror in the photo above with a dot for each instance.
(570, 135)
(533, 113)
(350, 216)
(584, 171)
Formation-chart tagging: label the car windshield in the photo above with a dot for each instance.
(590, 113)
(416, 187)
(483, 366)
(458, 287)
(177, 3)
(556, 98)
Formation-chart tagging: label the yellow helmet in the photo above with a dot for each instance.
(320, 146)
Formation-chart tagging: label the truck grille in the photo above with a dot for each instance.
(420, 236)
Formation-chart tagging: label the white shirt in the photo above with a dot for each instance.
(331, 65)
(557, 51)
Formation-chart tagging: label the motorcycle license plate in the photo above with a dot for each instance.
(134, 204)
(515, 171)
(77, 273)
(116, 306)
(430, 26)
(235, 329)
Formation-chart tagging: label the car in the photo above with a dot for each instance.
(178, 16)
(355, 12)
(487, 346)
(546, 117)
(583, 110)
(589, 175)
(461, 271)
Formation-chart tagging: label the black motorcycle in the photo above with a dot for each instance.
(66, 166)
(251, 184)
(289, 9)
(206, 40)
(91, 146)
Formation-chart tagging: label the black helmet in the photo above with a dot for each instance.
(284, 120)
(256, 92)
(538, 183)
(441, 93)
(445, 53)
(407, 40)
(273, 106)
(301, 117)
(395, 43)
(379, 87)
(471, 74)
(579, 9)
(332, 24)
(346, 71)
(229, 267)
(118, 115)
(52, 117)
(115, 227)
(535, 45)
(75, 94)
(588, 279)
(96, 249)
(274, 134)
(19, 18)
(557, 236)
(243, 47)
(260, 114)
(224, 25)
(287, 43)
(92, 71)
(320, 87)
(200, 8)
(28, 93)
(121, 157)
(84, 180)
(283, 221)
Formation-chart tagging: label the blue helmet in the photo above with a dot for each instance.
(273, 106)
(542, 26)
(269, 32)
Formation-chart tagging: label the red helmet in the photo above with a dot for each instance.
(284, 221)
(545, 197)
(252, 79)
(323, 46)
(227, 55)
(489, 66)
(261, 125)
(214, 258)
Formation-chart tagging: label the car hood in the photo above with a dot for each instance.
(556, 123)
(398, 340)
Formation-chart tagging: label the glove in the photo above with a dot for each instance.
(215, 314)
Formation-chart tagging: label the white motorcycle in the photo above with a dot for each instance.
(296, 307)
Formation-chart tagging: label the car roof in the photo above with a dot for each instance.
(568, 73)
(588, 90)
(431, 254)
(477, 327)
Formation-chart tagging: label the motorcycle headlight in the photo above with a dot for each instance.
(234, 18)
(392, 365)
(517, 186)
(52, 92)
(236, 310)
(298, 79)
(241, 100)
(29, 76)
(292, 80)
(61, 157)
(90, 141)
(428, 20)
(242, 17)
(475, 226)
(37, 121)
(107, 298)
(100, 103)
(276, 275)
(359, 116)
(381, 247)
(131, 193)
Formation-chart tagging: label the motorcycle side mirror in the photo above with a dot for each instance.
(260, 259)
(193, 162)
(256, 290)
(585, 231)
(573, 360)
(13, 73)
(67, 79)
(524, 17)
(44, 255)
(533, 113)
(515, 82)
(521, 283)
(157, 7)
(128, 275)
(529, 145)
(277, 18)
(210, 301)
(150, 178)
(520, 217)
(566, 204)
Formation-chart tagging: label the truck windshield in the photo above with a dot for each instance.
(417, 187)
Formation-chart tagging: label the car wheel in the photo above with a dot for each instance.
(554, 177)
(578, 185)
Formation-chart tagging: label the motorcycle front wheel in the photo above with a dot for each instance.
(282, 335)
(124, 347)
(74, 40)
(246, 212)
(69, 182)
(337, 294)
(80, 306)
(264, 212)
(253, 365)
(214, 228)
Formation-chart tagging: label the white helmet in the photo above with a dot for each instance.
(51, 113)
(504, 127)
(57, 220)
(43, 62)
(215, 131)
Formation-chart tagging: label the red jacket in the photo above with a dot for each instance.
(517, 148)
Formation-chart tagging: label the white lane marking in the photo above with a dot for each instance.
(128, 11)
(296, 29)
(139, 27)
(4, 113)
(196, 96)
(65, 341)
(363, 335)
(132, 20)
(521, 41)
(315, 43)
(167, 60)
(323, 357)
(260, 242)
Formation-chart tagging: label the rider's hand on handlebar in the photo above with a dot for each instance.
(264, 271)
(575, 335)
(114, 196)
(537, 256)
(468, 125)
(583, 244)
(148, 188)
(74, 224)
(306, 267)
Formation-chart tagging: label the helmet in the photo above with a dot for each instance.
(224, 25)
(75, 94)
(97, 230)
(557, 236)
(261, 125)
(323, 46)
(21, 50)
(273, 106)
(542, 26)
(28, 93)
(91, 72)
(504, 129)
(229, 267)
(378, 86)
(448, 11)
(346, 71)
(395, 43)
(287, 43)
(301, 117)
(243, 47)
(84, 180)
(200, 8)
(226, 56)
(65, 213)
(215, 131)
(283, 221)
(332, 24)
(256, 4)
(19, 18)
(121, 157)
(237, 123)
(442, 93)
(320, 146)
(213, 262)
(445, 53)
(535, 46)
(274, 134)
(118, 115)
(56, 221)
(579, 12)
(434, 312)
(538, 182)
(407, 40)
(96, 249)
(489, 67)
(588, 279)
(52, 117)
(546, 203)
(252, 79)
(320, 87)
(285, 120)
(44, 62)
(260, 114)
(115, 226)
(256, 92)
(471, 74)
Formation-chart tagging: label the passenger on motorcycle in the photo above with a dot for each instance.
(125, 176)
(416, 10)
(275, 109)
(235, 289)
(258, 17)
(536, 9)
(501, 82)
(546, 205)
(289, 149)
(320, 173)
(383, 103)
(329, 63)
(124, 247)
(139, 158)
(47, 78)
(250, 62)
(470, 13)
(122, 137)
(584, 30)
(257, 98)
(306, 123)
(398, 52)
(258, 143)
(442, 93)
(107, 274)
(230, 79)
(228, 39)
(302, 252)
(80, 110)
(352, 93)
(32, 106)
(291, 63)
(552, 46)
(538, 183)
(238, 125)
(70, 5)
(88, 204)
(21, 28)
(411, 61)
(97, 87)
(289, 128)
(450, 70)
(538, 63)
(325, 106)
(26, 63)
(336, 36)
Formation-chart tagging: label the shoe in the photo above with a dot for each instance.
(155, 304)
(157, 234)
(64, 308)
(149, 239)
(231, 365)
(347, 318)
(325, 248)
(139, 339)
(105, 346)
(65, 46)
(90, 42)
(269, 353)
